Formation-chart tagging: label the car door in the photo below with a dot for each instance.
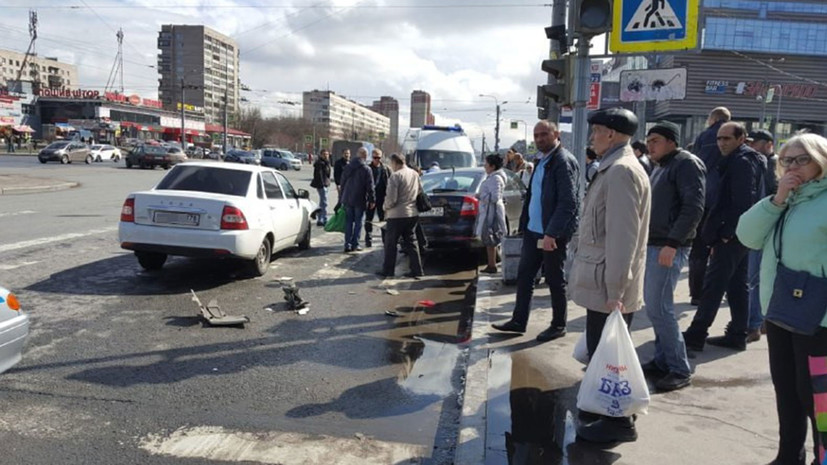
(76, 152)
(279, 208)
(295, 213)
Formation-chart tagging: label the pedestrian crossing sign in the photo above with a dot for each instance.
(654, 25)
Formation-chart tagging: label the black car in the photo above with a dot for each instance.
(149, 156)
(453, 195)
(242, 156)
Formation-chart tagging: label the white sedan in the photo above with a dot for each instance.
(14, 329)
(204, 209)
(101, 152)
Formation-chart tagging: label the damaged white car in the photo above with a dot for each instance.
(203, 209)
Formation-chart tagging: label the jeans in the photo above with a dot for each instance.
(353, 225)
(726, 273)
(658, 293)
(531, 258)
(794, 384)
(756, 318)
(322, 218)
(595, 321)
(404, 228)
(376, 211)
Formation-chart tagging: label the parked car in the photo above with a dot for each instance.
(103, 152)
(206, 209)
(149, 156)
(280, 159)
(453, 195)
(14, 329)
(64, 151)
(243, 156)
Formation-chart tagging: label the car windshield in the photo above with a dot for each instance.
(155, 150)
(445, 158)
(57, 145)
(95, 147)
(445, 181)
(206, 179)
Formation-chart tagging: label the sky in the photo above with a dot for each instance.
(453, 49)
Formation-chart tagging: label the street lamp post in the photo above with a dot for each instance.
(525, 131)
(497, 125)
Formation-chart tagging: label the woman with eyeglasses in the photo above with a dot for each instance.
(791, 229)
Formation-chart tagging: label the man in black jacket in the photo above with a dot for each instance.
(357, 196)
(741, 173)
(339, 168)
(677, 207)
(549, 219)
(321, 182)
(706, 147)
(381, 173)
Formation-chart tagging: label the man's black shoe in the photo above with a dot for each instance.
(673, 382)
(413, 275)
(729, 342)
(608, 430)
(383, 275)
(510, 326)
(694, 302)
(653, 369)
(368, 244)
(551, 333)
(692, 343)
(348, 249)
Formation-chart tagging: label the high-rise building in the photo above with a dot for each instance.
(339, 118)
(198, 67)
(421, 109)
(389, 107)
(764, 61)
(51, 73)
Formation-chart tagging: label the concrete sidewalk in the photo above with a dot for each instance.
(19, 184)
(520, 399)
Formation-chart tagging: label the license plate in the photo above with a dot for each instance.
(186, 219)
(435, 211)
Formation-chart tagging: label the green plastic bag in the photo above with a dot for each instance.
(337, 222)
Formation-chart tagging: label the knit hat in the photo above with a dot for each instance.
(760, 134)
(618, 119)
(667, 129)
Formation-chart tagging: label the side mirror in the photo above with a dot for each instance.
(303, 194)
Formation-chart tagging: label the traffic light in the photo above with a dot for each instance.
(561, 91)
(592, 17)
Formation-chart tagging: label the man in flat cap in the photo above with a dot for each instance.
(741, 172)
(678, 188)
(610, 261)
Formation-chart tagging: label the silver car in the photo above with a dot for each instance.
(64, 151)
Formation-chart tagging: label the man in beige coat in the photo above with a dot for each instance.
(402, 216)
(611, 253)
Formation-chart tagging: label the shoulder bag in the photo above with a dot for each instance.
(799, 299)
(423, 203)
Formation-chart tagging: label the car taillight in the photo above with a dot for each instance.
(12, 302)
(128, 210)
(470, 206)
(233, 218)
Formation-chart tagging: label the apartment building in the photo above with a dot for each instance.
(389, 107)
(421, 109)
(48, 71)
(342, 119)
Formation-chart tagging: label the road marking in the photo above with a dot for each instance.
(217, 443)
(15, 265)
(24, 212)
(49, 240)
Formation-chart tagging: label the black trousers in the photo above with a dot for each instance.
(726, 274)
(531, 259)
(794, 385)
(698, 259)
(595, 321)
(370, 214)
(396, 228)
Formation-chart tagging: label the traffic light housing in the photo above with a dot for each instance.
(561, 92)
(592, 17)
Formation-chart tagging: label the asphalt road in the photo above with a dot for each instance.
(119, 368)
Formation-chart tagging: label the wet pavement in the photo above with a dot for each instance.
(520, 400)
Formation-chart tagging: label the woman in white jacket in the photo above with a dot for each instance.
(490, 225)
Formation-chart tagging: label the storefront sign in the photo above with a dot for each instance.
(133, 99)
(716, 87)
(756, 88)
(8, 119)
(66, 93)
(189, 107)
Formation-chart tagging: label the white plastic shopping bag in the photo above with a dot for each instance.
(614, 384)
(581, 350)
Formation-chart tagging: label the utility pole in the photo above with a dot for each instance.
(225, 120)
(183, 105)
(497, 131)
(581, 97)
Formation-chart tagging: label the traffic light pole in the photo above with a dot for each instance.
(558, 20)
(581, 97)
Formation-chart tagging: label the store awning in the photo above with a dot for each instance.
(23, 128)
(64, 126)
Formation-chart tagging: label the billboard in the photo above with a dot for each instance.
(652, 84)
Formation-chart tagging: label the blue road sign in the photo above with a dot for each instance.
(653, 25)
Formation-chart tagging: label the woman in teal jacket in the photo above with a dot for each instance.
(798, 363)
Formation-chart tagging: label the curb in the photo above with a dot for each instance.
(35, 189)
(470, 448)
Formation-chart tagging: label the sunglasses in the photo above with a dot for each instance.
(799, 160)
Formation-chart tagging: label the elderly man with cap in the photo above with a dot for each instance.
(611, 253)
(678, 188)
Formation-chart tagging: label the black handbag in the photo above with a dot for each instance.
(423, 203)
(799, 299)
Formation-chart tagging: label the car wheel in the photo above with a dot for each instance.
(89, 159)
(304, 244)
(143, 165)
(98, 159)
(151, 261)
(166, 167)
(42, 161)
(117, 158)
(128, 163)
(259, 265)
(64, 159)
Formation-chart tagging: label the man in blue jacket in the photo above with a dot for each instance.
(706, 148)
(741, 172)
(549, 219)
(358, 195)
